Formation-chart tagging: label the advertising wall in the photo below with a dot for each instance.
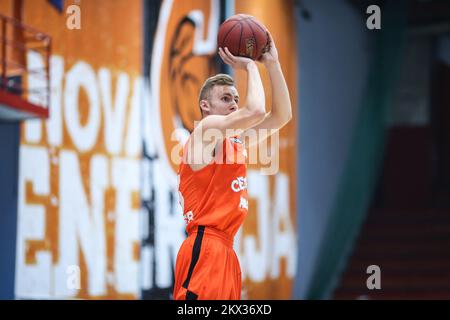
(78, 201)
(98, 205)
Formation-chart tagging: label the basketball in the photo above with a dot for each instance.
(244, 36)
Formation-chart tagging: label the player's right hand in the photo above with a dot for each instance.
(271, 55)
(236, 62)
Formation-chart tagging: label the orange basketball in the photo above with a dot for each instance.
(244, 36)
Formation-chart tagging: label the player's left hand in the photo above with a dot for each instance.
(271, 55)
(236, 62)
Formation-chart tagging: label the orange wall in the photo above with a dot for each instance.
(110, 38)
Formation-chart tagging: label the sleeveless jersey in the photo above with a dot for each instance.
(216, 195)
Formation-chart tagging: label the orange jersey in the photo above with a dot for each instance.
(216, 195)
(214, 201)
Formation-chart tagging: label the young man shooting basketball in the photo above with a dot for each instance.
(213, 187)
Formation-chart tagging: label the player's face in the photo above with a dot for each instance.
(223, 100)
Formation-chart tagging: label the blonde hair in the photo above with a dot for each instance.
(220, 79)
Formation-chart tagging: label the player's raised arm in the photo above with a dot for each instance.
(281, 109)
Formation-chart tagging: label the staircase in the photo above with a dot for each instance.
(404, 233)
(412, 249)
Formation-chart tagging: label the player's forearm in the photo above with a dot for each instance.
(255, 101)
(281, 102)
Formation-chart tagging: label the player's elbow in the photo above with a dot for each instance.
(288, 117)
(252, 116)
(283, 119)
(258, 115)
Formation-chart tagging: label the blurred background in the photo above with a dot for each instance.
(95, 96)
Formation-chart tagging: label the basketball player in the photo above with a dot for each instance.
(213, 187)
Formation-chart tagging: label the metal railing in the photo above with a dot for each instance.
(17, 41)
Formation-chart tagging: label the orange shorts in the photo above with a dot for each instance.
(207, 267)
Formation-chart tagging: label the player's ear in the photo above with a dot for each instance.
(204, 105)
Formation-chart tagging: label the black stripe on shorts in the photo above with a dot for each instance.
(195, 256)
